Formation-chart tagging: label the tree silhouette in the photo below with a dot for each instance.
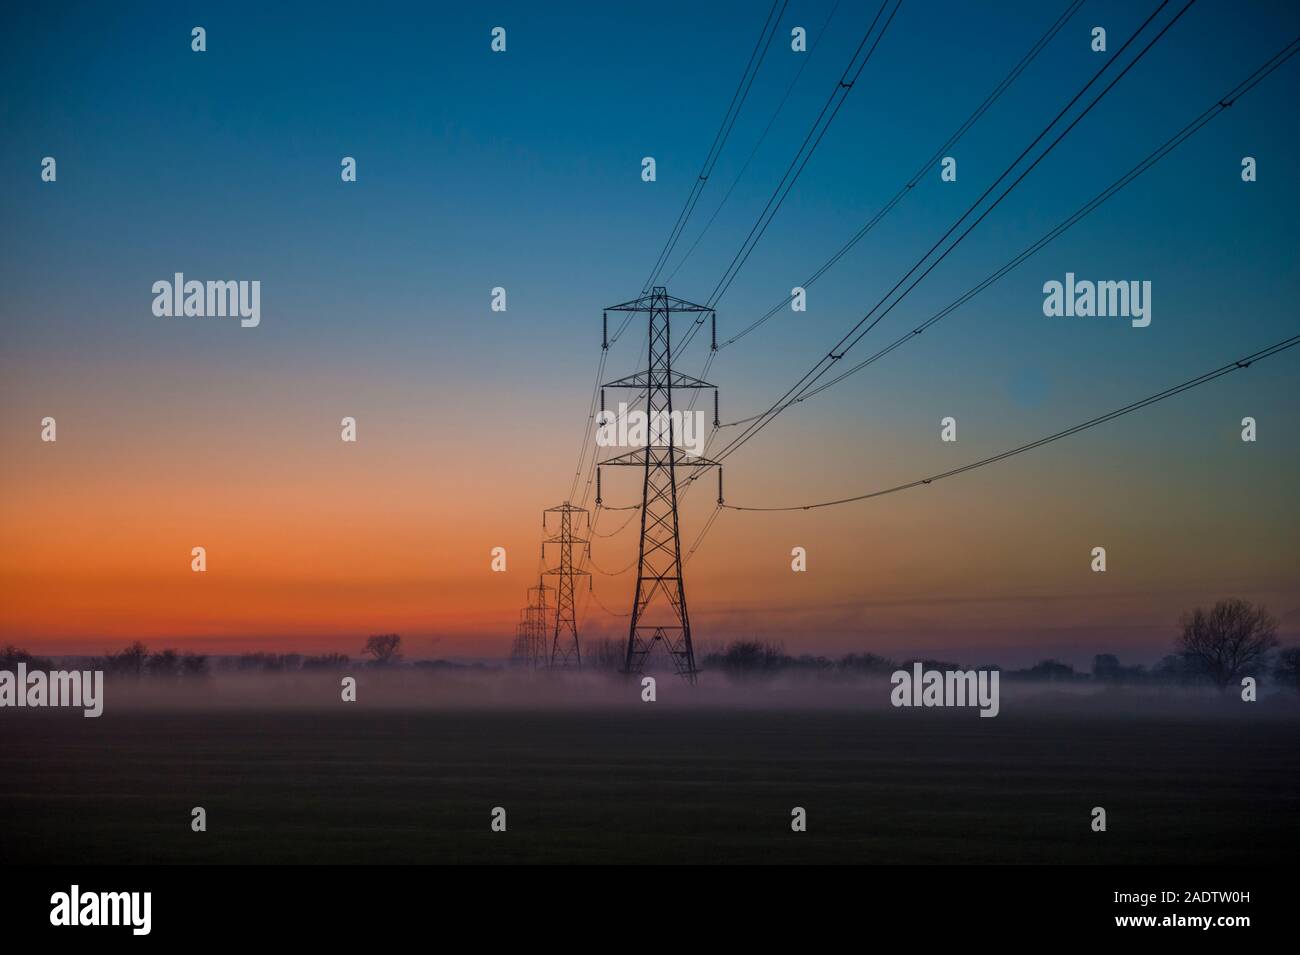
(164, 664)
(327, 661)
(131, 661)
(744, 659)
(11, 656)
(384, 647)
(1227, 641)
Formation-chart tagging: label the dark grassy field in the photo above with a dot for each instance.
(667, 785)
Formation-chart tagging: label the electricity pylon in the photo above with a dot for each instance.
(535, 626)
(531, 647)
(565, 652)
(519, 649)
(659, 562)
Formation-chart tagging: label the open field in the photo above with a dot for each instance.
(636, 785)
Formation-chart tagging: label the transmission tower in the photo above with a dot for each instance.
(565, 652)
(519, 649)
(531, 646)
(659, 563)
(534, 624)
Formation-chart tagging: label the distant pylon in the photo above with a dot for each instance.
(532, 642)
(519, 649)
(659, 563)
(565, 652)
(535, 626)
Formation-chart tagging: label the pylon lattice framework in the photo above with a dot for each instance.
(519, 649)
(532, 644)
(535, 615)
(659, 561)
(565, 652)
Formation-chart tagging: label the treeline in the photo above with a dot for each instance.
(138, 661)
(1219, 647)
(748, 659)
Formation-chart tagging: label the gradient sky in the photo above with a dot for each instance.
(523, 170)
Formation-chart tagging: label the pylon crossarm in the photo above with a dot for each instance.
(657, 301)
(641, 380)
(568, 573)
(658, 459)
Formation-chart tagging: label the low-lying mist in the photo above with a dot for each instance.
(431, 688)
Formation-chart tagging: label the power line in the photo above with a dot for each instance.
(699, 538)
(586, 431)
(719, 140)
(1191, 383)
(787, 181)
(762, 137)
(599, 603)
(952, 141)
(797, 164)
(591, 562)
(824, 364)
(620, 528)
(853, 336)
(1219, 105)
(837, 97)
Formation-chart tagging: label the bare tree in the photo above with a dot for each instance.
(164, 664)
(194, 666)
(386, 648)
(1229, 640)
(131, 661)
(11, 656)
